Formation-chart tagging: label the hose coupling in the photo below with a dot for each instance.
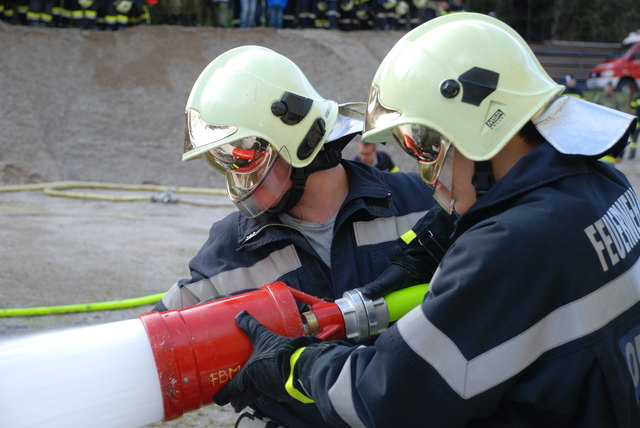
(363, 317)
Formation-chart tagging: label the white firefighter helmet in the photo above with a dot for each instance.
(254, 92)
(402, 8)
(253, 116)
(466, 76)
(471, 80)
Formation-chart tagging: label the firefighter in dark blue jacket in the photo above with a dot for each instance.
(306, 217)
(533, 314)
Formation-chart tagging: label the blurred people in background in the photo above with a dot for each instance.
(424, 10)
(635, 107)
(608, 97)
(344, 15)
(571, 87)
(452, 6)
(40, 13)
(368, 153)
(219, 13)
(275, 12)
(248, 13)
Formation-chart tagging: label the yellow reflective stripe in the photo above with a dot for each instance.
(633, 144)
(608, 159)
(394, 169)
(384, 229)
(409, 236)
(292, 390)
(146, 15)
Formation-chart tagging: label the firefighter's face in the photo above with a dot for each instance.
(463, 191)
(453, 187)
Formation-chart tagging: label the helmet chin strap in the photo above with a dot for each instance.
(483, 177)
(327, 158)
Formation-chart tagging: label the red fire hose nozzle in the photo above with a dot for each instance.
(198, 350)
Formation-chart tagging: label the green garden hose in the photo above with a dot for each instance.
(81, 307)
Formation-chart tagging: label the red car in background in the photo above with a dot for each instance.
(622, 69)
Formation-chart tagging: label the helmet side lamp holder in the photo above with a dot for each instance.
(314, 136)
(477, 84)
(292, 108)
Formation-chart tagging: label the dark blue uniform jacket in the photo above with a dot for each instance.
(533, 317)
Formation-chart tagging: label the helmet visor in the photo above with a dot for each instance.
(257, 175)
(426, 145)
(377, 115)
(199, 133)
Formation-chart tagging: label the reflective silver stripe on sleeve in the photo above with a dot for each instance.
(341, 398)
(177, 298)
(267, 270)
(384, 229)
(572, 321)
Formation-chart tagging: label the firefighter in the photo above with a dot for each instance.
(83, 13)
(572, 89)
(533, 314)
(306, 14)
(635, 106)
(289, 18)
(369, 154)
(305, 216)
(363, 11)
(326, 14)
(452, 6)
(402, 10)
(384, 14)
(347, 15)
(40, 13)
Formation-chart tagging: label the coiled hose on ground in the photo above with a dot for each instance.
(163, 194)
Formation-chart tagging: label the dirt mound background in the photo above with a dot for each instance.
(108, 106)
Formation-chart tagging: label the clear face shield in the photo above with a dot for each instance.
(257, 174)
(435, 154)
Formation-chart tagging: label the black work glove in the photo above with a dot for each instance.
(264, 375)
(415, 261)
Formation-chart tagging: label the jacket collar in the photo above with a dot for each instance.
(367, 191)
(540, 167)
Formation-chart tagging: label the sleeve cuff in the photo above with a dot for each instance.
(289, 384)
